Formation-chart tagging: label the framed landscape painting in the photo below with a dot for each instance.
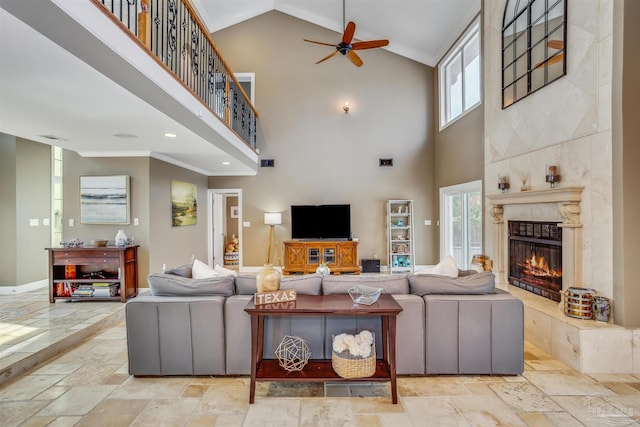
(104, 199)
(184, 206)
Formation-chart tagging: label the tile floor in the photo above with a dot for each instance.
(87, 384)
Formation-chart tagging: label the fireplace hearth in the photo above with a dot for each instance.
(535, 257)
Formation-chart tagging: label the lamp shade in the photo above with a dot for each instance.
(273, 218)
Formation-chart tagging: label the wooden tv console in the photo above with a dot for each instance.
(301, 256)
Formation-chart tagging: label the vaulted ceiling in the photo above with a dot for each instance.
(56, 81)
(421, 30)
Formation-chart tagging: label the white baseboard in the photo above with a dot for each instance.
(21, 289)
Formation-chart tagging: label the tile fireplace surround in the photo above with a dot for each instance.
(585, 345)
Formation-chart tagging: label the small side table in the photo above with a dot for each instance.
(321, 370)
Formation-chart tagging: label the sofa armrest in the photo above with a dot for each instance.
(175, 335)
(474, 334)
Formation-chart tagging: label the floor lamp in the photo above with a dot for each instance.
(272, 219)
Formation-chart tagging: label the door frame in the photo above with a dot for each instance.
(217, 211)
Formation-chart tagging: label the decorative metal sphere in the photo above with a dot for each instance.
(293, 353)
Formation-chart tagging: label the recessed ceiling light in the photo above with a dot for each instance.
(226, 163)
(125, 135)
(170, 135)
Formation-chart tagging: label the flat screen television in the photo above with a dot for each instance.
(321, 222)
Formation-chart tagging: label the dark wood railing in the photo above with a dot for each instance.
(173, 32)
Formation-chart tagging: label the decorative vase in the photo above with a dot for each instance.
(323, 270)
(601, 308)
(268, 279)
(121, 238)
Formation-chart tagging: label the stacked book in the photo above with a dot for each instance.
(83, 291)
(105, 290)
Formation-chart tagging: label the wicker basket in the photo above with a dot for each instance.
(347, 366)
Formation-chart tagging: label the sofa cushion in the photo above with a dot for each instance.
(474, 284)
(183, 271)
(171, 285)
(307, 284)
(390, 283)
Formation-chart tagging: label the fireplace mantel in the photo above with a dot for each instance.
(567, 200)
(546, 195)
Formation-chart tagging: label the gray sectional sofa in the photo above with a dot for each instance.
(184, 326)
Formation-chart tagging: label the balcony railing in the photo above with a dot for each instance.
(172, 31)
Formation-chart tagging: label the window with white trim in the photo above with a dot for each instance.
(459, 76)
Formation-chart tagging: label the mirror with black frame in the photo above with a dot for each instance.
(533, 46)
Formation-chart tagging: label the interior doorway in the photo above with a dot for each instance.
(224, 223)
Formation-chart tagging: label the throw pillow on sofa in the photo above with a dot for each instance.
(473, 284)
(200, 270)
(446, 267)
(306, 284)
(171, 285)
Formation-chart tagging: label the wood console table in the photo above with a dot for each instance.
(321, 370)
(304, 256)
(93, 273)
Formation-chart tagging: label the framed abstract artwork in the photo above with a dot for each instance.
(104, 199)
(184, 206)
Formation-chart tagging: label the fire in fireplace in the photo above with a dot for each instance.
(535, 257)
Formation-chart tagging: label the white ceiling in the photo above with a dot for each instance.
(48, 90)
(422, 30)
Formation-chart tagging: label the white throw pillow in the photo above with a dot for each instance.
(446, 267)
(223, 272)
(200, 270)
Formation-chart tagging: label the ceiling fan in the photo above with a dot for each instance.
(346, 47)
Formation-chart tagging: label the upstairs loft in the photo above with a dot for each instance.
(95, 88)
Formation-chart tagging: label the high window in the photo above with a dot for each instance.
(459, 76)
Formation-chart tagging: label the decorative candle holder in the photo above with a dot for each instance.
(553, 177)
(503, 183)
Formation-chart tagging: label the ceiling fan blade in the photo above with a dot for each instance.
(327, 57)
(322, 43)
(349, 31)
(555, 44)
(353, 57)
(370, 44)
(550, 61)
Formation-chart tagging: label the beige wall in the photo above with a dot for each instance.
(33, 194)
(170, 245)
(626, 157)
(25, 191)
(137, 168)
(8, 210)
(322, 155)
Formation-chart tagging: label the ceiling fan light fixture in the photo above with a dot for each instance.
(346, 46)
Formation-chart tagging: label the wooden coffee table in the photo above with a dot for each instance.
(321, 370)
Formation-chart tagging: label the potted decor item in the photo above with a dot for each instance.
(268, 279)
(322, 269)
(354, 356)
(121, 239)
